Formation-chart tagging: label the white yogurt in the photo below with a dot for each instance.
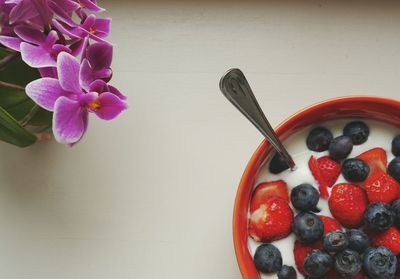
(381, 135)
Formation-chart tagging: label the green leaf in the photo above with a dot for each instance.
(19, 111)
(17, 71)
(15, 101)
(42, 118)
(12, 132)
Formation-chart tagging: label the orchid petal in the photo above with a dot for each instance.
(102, 26)
(67, 5)
(62, 12)
(11, 42)
(69, 120)
(73, 32)
(110, 106)
(85, 74)
(85, 119)
(36, 56)
(84, 33)
(56, 49)
(98, 86)
(87, 98)
(116, 92)
(43, 10)
(89, 21)
(30, 35)
(101, 86)
(45, 92)
(78, 47)
(81, 14)
(52, 38)
(68, 72)
(48, 72)
(91, 6)
(105, 74)
(22, 11)
(99, 55)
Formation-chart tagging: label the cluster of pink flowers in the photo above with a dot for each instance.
(65, 41)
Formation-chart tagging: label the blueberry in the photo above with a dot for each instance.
(307, 227)
(317, 264)
(396, 212)
(348, 263)
(335, 242)
(398, 264)
(267, 258)
(287, 272)
(358, 240)
(278, 164)
(379, 263)
(340, 147)
(355, 170)
(396, 146)
(394, 168)
(304, 197)
(378, 216)
(318, 139)
(358, 132)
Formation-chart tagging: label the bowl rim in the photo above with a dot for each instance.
(263, 148)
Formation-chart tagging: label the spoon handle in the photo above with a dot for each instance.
(237, 90)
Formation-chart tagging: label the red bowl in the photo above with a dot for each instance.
(375, 108)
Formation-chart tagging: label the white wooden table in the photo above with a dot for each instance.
(150, 195)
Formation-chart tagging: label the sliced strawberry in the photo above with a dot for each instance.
(330, 224)
(325, 171)
(271, 221)
(301, 251)
(266, 190)
(330, 169)
(381, 187)
(375, 158)
(390, 239)
(347, 204)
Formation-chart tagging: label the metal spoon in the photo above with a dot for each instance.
(237, 90)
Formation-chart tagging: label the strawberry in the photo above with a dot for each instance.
(359, 275)
(301, 251)
(347, 204)
(325, 171)
(271, 221)
(375, 158)
(381, 187)
(330, 224)
(266, 190)
(390, 239)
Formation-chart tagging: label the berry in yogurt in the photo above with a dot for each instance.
(338, 214)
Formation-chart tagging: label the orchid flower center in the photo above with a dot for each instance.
(94, 105)
(92, 30)
(81, 4)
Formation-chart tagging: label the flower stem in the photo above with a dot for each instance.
(11, 86)
(8, 59)
(43, 136)
(29, 116)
